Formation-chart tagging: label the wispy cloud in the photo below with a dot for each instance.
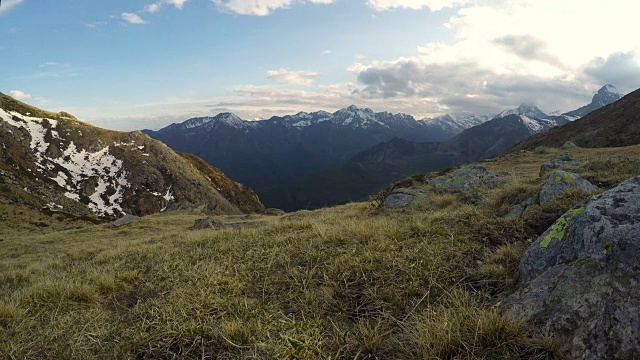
(20, 95)
(156, 6)
(96, 24)
(433, 5)
(8, 4)
(261, 7)
(292, 77)
(132, 18)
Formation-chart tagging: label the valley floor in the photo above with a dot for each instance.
(349, 282)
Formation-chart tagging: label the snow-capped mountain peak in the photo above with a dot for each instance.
(529, 110)
(606, 95)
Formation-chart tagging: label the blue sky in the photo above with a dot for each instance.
(143, 64)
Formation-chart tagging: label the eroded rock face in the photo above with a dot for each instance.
(581, 278)
(560, 182)
(465, 178)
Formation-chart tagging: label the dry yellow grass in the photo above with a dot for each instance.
(336, 283)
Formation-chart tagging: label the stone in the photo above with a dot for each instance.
(581, 278)
(568, 145)
(560, 182)
(207, 223)
(125, 220)
(541, 150)
(518, 210)
(465, 178)
(563, 157)
(402, 198)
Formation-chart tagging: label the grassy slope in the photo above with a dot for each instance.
(336, 283)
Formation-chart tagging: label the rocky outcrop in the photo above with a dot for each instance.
(207, 223)
(568, 145)
(465, 178)
(125, 220)
(403, 198)
(558, 162)
(561, 182)
(580, 278)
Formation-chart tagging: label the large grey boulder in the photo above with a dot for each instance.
(581, 278)
(465, 178)
(403, 198)
(560, 182)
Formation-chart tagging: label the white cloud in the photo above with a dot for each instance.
(19, 95)
(152, 8)
(433, 5)
(132, 18)
(178, 4)
(504, 53)
(8, 4)
(261, 7)
(292, 77)
(156, 6)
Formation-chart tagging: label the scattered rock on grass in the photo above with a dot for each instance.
(402, 198)
(465, 178)
(517, 210)
(125, 220)
(560, 182)
(580, 278)
(568, 145)
(565, 160)
(207, 223)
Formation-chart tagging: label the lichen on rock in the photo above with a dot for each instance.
(580, 278)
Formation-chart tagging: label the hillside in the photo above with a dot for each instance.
(370, 171)
(342, 283)
(57, 164)
(365, 174)
(617, 124)
(268, 153)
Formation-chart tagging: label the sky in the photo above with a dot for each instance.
(135, 64)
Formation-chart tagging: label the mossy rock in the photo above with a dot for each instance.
(568, 145)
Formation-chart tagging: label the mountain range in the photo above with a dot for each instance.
(56, 163)
(308, 160)
(600, 128)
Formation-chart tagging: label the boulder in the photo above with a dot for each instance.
(465, 178)
(581, 278)
(565, 160)
(568, 145)
(125, 220)
(517, 210)
(402, 198)
(563, 157)
(561, 182)
(207, 223)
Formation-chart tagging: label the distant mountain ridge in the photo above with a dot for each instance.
(54, 161)
(398, 158)
(267, 153)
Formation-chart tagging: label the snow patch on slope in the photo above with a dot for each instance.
(77, 165)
